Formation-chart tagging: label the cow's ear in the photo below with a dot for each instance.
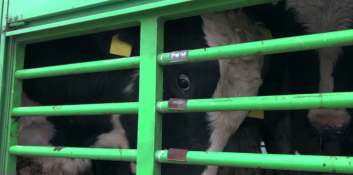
(118, 43)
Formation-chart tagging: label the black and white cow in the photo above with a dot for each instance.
(193, 131)
(240, 76)
(188, 131)
(316, 131)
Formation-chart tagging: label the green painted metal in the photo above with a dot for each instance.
(18, 9)
(336, 164)
(14, 60)
(152, 14)
(2, 89)
(17, 24)
(281, 45)
(290, 44)
(330, 164)
(279, 102)
(149, 137)
(125, 11)
(80, 68)
(87, 109)
(76, 152)
(110, 19)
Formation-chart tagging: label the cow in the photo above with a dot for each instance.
(193, 131)
(240, 76)
(316, 131)
(185, 131)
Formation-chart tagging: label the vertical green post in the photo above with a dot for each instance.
(149, 137)
(3, 12)
(11, 98)
(2, 58)
(2, 54)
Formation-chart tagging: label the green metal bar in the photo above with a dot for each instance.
(160, 8)
(52, 7)
(79, 68)
(337, 164)
(101, 15)
(149, 138)
(86, 109)
(279, 102)
(14, 59)
(331, 164)
(110, 19)
(16, 24)
(281, 45)
(339, 38)
(314, 41)
(3, 9)
(76, 152)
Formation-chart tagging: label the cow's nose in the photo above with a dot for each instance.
(328, 131)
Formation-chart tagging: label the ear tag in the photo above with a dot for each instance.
(266, 32)
(119, 47)
(256, 114)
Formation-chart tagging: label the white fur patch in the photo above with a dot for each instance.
(130, 87)
(238, 76)
(115, 139)
(34, 130)
(74, 166)
(37, 131)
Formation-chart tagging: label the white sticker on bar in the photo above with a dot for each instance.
(178, 56)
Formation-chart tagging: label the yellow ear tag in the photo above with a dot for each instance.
(256, 114)
(119, 47)
(267, 33)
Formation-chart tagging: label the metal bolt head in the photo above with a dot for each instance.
(9, 19)
(15, 18)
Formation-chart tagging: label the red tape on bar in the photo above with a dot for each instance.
(177, 154)
(177, 104)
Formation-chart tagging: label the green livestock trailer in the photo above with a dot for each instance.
(25, 22)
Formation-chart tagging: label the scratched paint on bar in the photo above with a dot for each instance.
(289, 44)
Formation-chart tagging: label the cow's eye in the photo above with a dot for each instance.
(183, 82)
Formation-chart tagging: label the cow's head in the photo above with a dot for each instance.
(322, 70)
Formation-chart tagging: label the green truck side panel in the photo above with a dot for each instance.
(22, 10)
(69, 18)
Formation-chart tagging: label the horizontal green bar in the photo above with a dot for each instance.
(280, 102)
(249, 160)
(75, 152)
(16, 24)
(79, 68)
(281, 45)
(86, 109)
(266, 161)
(164, 9)
(130, 10)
